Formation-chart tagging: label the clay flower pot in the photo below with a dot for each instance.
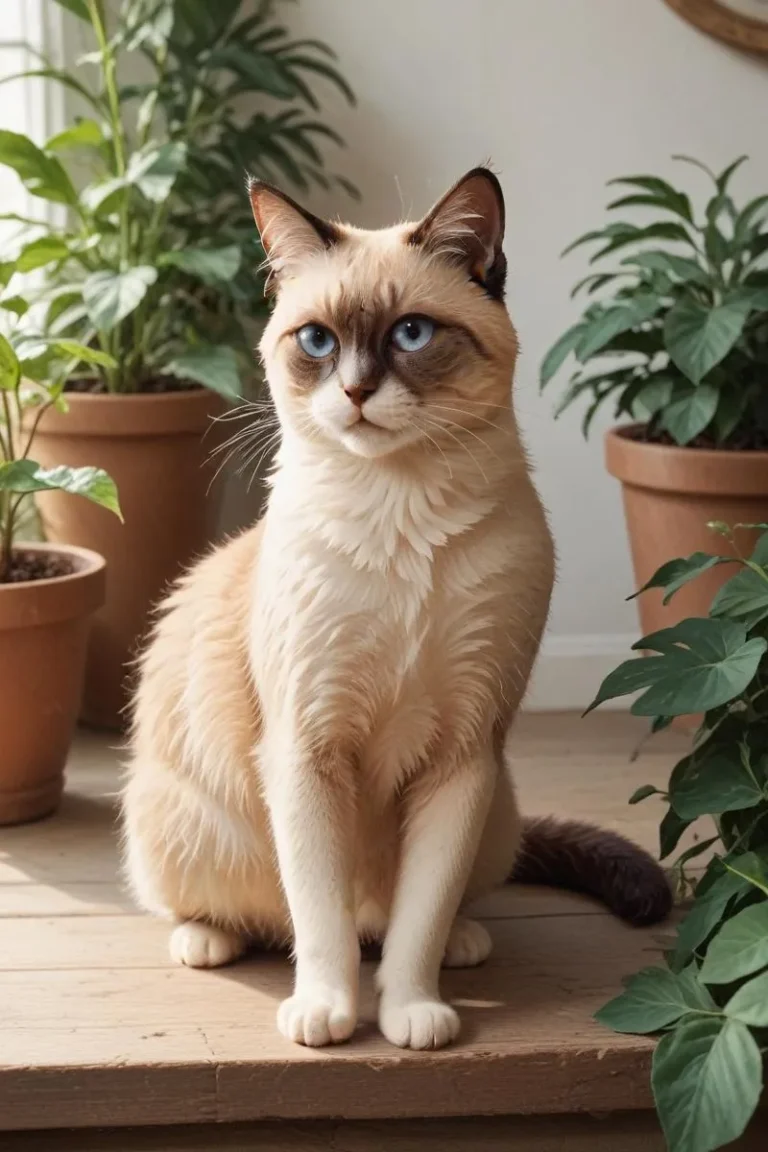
(43, 637)
(152, 446)
(670, 495)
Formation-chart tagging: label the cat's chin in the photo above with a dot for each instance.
(372, 441)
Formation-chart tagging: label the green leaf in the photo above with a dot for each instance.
(720, 782)
(83, 134)
(661, 192)
(155, 171)
(559, 352)
(670, 831)
(629, 677)
(41, 175)
(10, 370)
(676, 573)
(653, 395)
(690, 410)
(41, 252)
(262, 70)
(654, 999)
(697, 337)
(82, 352)
(750, 1004)
(743, 597)
(751, 868)
(740, 947)
(24, 476)
(612, 321)
(706, 914)
(211, 265)
(77, 8)
(215, 368)
(661, 231)
(723, 179)
(643, 793)
(111, 296)
(103, 197)
(680, 267)
(707, 1077)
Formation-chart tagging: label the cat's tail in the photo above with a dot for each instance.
(583, 858)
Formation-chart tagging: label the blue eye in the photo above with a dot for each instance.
(316, 340)
(412, 333)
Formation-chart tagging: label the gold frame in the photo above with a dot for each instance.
(719, 21)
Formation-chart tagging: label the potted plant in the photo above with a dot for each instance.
(709, 1000)
(153, 260)
(675, 334)
(48, 592)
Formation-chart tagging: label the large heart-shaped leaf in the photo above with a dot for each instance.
(10, 369)
(750, 1003)
(740, 947)
(215, 368)
(721, 782)
(653, 999)
(42, 175)
(83, 134)
(706, 913)
(707, 1077)
(40, 252)
(155, 170)
(111, 296)
(211, 265)
(690, 410)
(698, 337)
(24, 476)
(744, 597)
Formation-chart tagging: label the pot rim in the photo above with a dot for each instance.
(30, 603)
(120, 415)
(675, 468)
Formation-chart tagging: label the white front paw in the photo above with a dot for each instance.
(317, 1016)
(418, 1023)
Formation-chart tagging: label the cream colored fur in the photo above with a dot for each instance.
(317, 747)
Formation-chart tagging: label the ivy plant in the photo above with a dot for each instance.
(709, 1003)
(675, 328)
(153, 258)
(33, 371)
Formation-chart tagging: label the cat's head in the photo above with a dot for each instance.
(380, 339)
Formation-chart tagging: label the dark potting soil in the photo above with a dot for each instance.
(742, 440)
(37, 566)
(154, 386)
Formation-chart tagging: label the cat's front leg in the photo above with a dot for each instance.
(311, 803)
(444, 816)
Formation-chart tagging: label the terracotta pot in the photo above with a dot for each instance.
(153, 447)
(43, 636)
(670, 495)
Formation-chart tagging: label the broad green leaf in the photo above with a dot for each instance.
(10, 370)
(740, 947)
(654, 999)
(680, 267)
(211, 265)
(629, 677)
(690, 410)
(652, 395)
(613, 321)
(751, 868)
(662, 193)
(155, 170)
(82, 351)
(676, 573)
(94, 484)
(643, 792)
(707, 1077)
(698, 337)
(744, 597)
(750, 1004)
(706, 913)
(41, 252)
(83, 134)
(670, 831)
(103, 197)
(717, 783)
(214, 367)
(76, 7)
(41, 175)
(111, 296)
(661, 231)
(559, 352)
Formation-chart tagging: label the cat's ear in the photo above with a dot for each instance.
(289, 234)
(467, 226)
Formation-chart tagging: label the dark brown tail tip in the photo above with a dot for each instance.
(605, 865)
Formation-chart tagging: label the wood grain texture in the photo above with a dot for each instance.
(100, 1029)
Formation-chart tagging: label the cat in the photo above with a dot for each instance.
(318, 751)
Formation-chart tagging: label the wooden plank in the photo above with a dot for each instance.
(75, 898)
(616, 1133)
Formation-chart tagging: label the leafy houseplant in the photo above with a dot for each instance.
(675, 335)
(47, 593)
(153, 261)
(710, 1001)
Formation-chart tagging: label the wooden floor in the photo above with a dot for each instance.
(98, 1028)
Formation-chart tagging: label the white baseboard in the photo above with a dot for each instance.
(570, 669)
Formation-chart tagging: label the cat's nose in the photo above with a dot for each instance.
(359, 393)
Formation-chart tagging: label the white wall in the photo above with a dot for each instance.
(563, 95)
